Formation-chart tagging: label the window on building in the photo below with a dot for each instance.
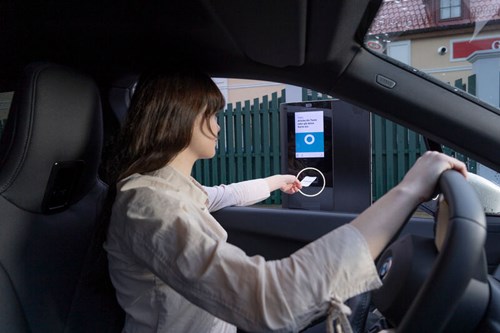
(450, 9)
(400, 51)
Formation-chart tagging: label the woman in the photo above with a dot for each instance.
(168, 257)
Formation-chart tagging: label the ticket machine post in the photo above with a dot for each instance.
(326, 144)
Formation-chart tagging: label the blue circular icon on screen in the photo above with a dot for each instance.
(309, 139)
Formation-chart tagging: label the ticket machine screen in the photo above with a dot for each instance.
(310, 144)
(309, 134)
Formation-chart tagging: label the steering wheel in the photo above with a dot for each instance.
(427, 289)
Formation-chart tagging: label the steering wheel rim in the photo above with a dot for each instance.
(456, 263)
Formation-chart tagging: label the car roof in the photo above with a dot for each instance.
(316, 44)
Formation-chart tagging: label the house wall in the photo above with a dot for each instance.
(239, 90)
(425, 56)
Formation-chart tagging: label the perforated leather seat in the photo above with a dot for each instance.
(50, 201)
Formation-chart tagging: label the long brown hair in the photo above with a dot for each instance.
(161, 118)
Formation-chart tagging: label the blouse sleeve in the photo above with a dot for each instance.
(237, 194)
(169, 237)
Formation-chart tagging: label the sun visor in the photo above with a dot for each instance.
(268, 32)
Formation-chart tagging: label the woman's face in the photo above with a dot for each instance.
(203, 143)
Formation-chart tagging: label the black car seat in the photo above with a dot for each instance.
(50, 204)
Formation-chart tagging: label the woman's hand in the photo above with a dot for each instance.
(422, 178)
(288, 184)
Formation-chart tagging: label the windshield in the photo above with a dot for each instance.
(455, 41)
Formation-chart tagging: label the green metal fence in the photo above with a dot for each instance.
(394, 150)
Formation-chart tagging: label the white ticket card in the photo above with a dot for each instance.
(307, 180)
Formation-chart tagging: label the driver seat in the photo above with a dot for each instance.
(51, 200)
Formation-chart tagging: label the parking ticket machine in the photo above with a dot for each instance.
(326, 144)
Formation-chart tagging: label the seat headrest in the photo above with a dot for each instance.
(51, 146)
(120, 95)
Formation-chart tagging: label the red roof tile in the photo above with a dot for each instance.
(408, 15)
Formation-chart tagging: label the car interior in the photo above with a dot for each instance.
(72, 67)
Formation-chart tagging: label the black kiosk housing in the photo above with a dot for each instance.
(333, 137)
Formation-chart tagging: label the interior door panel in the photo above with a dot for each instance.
(275, 233)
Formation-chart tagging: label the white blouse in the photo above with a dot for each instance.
(174, 271)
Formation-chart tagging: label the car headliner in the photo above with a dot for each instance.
(310, 43)
(225, 37)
